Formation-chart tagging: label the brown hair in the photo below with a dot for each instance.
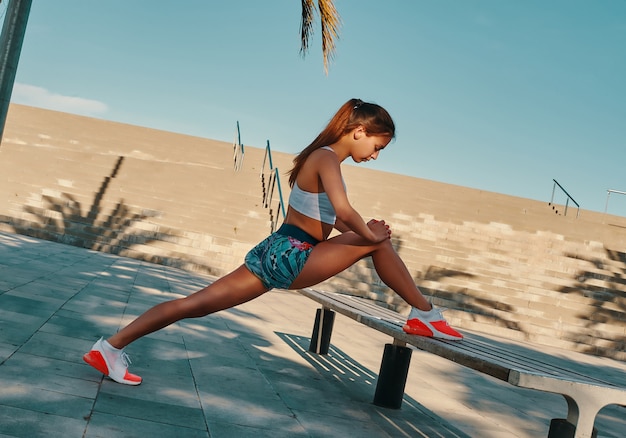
(352, 114)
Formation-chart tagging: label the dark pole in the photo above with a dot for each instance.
(10, 47)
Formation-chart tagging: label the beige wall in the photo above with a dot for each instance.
(500, 264)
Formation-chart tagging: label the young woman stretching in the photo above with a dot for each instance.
(300, 254)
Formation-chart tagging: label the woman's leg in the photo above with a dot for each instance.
(334, 255)
(235, 288)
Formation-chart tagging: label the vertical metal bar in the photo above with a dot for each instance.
(11, 40)
(268, 152)
(394, 370)
(280, 194)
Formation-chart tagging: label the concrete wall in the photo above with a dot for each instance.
(499, 263)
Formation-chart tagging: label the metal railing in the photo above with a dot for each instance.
(238, 151)
(272, 184)
(566, 202)
(608, 193)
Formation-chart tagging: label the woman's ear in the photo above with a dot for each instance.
(359, 132)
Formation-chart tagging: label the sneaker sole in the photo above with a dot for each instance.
(439, 335)
(432, 333)
(417, 331)
(443, 335)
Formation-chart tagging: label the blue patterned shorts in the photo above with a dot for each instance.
(278, 259)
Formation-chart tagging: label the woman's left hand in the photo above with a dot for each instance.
(380, 228)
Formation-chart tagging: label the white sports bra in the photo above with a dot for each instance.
(314, 205)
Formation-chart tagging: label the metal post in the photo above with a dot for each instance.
(322, 331)
(280, 193)
(394, 370)
(561, 428)
(11, 40)
(608, 193)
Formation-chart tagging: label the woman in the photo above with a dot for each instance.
(300, 253)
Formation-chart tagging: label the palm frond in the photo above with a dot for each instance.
(306, 25)
(330, 29)
(330, 22)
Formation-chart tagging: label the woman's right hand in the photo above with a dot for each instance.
(380, 229)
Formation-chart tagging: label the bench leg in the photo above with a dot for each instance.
(561, 428)
(394, 369)
(579, 422)
(322, 330)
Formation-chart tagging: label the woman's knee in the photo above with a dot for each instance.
(385, 245)
(190, 307)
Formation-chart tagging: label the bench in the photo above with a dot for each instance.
(585, 395)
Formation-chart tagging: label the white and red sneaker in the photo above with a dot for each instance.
(111, 362)
(430, 323)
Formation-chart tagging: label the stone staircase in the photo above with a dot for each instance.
(500, 264)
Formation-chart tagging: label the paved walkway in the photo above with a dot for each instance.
(244, 372)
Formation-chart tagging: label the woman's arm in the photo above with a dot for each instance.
(340, 226)
(348, 219)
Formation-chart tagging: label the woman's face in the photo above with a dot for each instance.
(367, 147)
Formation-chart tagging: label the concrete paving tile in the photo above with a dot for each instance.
(331, 426)
(611, 422)
(41, 367)
(216, 353)
(16, 328)
(236, 380)
(102, 425)
(45, 291)
(246, 409)
(228, 430)
(23, 395)
(27, 319)
(69, 281)
(413, 420)
(24, 423)
(151, 410)
(5, 284)
(55, 346)
(89, 303)
(11, 302)
(72, 326)
(6, 349)
(41, 380)
(21, 275)
(104, 294)
(175, 391)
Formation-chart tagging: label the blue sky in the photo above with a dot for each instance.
(498, 95)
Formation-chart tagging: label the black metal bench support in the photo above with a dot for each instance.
(322, 330)
(561, 428)
(394, 370)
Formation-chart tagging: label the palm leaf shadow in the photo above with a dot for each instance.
(607, 292)
(61, 219)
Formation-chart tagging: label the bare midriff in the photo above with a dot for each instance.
(315, 228)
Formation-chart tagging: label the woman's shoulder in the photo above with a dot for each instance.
(320, 162)
(322, 159)
(324, 153)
